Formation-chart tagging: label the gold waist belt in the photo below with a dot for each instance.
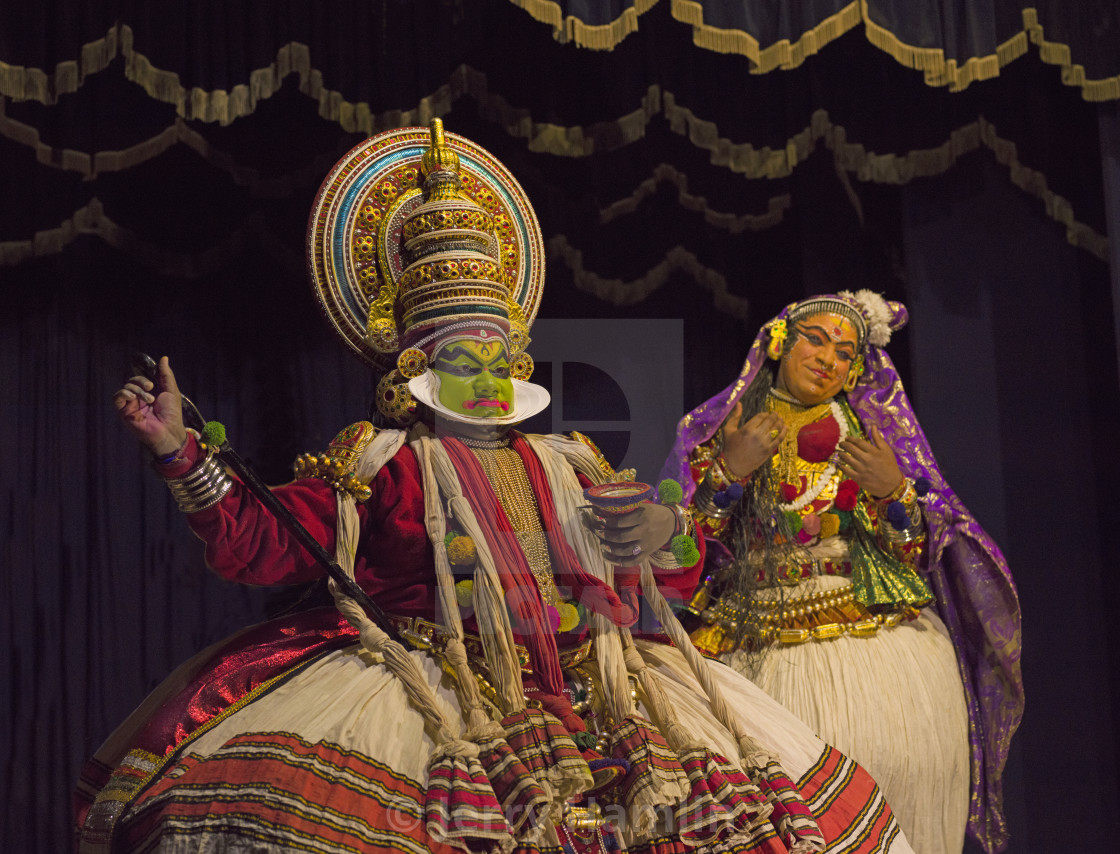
(424, 634)
(731, 624)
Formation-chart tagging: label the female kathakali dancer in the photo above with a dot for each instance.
(846, 578)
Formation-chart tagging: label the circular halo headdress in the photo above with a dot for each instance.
(416, 230)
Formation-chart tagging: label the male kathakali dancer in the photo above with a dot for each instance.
(524, 710)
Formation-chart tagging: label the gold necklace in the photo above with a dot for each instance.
(506, 473)
(789, 466)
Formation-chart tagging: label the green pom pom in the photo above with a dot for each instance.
(684, 550)
(845, 519)
(450, 536)
(214, 434)
(793, 519)
(670, 492)
(584, 740)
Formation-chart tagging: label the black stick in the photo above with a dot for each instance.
(145, 365)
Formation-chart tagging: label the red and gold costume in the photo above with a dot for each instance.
(533, 707)
(820, 504)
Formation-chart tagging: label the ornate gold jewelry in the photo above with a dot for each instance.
(336, 465)
(394, 400)
(506, 473)
(778, 334)
(412, 363)
(521, 368)
(334, 472)
(820, 616)
(203, 486)
(854, 373)
(604, 466)
(821, 479)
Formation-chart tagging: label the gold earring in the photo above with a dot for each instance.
(778, 333)
(854, 373)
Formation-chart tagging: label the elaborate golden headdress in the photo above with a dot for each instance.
(416, 234)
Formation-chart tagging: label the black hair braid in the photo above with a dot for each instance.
(761, 539)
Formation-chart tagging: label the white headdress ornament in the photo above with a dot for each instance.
(877, 313)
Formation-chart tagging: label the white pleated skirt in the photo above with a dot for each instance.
(894, 703)
(346, 718)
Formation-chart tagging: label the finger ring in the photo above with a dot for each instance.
(637, 550)
(774, 433)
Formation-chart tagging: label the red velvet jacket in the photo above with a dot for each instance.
(394, 562)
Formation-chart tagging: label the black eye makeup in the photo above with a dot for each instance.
(466, 369)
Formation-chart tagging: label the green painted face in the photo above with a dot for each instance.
(474, 377)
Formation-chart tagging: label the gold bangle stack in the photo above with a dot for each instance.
(201, 487)
(904, 492)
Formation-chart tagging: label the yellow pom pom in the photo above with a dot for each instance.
(461, 551)
(569, 616)
(464, 593)
(830, 525)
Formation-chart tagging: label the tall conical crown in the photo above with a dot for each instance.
(454, 272)
(414, 231)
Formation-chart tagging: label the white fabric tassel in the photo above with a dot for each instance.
(489, 596)
(753, 754)
(558, 457)
(454, 652)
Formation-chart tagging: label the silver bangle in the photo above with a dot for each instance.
(913, 531)
(201, 487)
(703, 501)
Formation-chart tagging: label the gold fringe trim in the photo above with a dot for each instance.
(571, 29)
(541, 137)
(90, 166)
(854, 159)
(1056, 53)
(783, 54)
(664, 173)
(742, 158)
(91, 220)
(938, 70)
(224, 107)
(618, 292)
(20, 83)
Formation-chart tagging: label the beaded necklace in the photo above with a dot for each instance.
(484, 444)
(506, 473)
(790, 468)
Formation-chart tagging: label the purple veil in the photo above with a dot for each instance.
(975, 596)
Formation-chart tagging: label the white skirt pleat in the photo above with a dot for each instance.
(894, 703)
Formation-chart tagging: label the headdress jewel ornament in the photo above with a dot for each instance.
(873, 317)
(416, 233)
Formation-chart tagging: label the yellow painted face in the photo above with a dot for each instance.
(474, 377)
(824, 349)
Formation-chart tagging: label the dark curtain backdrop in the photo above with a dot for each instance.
(708, 162)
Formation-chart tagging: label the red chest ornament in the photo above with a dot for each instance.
(817, 442)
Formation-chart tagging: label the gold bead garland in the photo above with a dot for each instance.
(506, 473)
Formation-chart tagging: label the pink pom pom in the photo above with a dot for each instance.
(811, 524)
(804, 536)
(553, 616)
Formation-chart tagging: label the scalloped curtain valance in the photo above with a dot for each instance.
(953, 44)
